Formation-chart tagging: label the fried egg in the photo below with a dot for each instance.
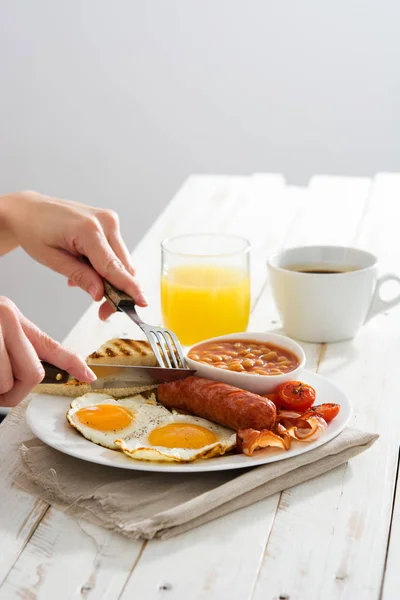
(101, 419)
(179, 438)
(145, 430)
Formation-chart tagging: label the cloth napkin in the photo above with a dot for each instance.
(144, 505)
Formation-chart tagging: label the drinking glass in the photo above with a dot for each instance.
(205, 285)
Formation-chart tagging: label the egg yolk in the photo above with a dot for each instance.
(105, 417)
(182, 435)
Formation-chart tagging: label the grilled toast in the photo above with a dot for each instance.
(124, 352)
(116, 351)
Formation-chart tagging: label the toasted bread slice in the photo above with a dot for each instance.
(117, 351)
(124, 352)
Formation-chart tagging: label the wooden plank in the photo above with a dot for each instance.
(339, 551)
(56, 533)
(217, 560)
(20, 513)
(391, 581)
(331, 212)
(385, 217)
(67, 559)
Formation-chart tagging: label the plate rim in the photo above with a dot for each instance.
(199, 466)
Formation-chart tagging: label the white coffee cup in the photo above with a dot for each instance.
(327, 307)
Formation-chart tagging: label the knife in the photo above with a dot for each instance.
(118, 376)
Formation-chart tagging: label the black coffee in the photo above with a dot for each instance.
(321, 269)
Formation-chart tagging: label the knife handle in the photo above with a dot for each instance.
(116, 297)
(53, 374)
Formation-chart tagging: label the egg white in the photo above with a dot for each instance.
(137, 445)
(143, 411)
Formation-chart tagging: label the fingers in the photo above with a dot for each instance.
(6, 374)
(108, 265)
(53, 352)
(78, 273)
(77, 230)
(21, 345)
(26, 368)
(116, 262)
(25, 362)
(19, 391)
(118, 245)
(105, 311)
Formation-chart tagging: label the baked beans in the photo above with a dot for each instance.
(245, 356)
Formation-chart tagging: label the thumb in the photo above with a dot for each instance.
(79, 274)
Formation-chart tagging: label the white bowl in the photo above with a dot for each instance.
(259, 384)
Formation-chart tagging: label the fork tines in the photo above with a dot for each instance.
(166, 347)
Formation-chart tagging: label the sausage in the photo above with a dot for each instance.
(218, 402)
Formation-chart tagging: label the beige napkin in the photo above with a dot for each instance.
(145, 505)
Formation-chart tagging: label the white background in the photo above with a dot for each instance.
(115, 103)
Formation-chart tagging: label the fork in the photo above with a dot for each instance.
(163, 342)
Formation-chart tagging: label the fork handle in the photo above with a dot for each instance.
(116, 297)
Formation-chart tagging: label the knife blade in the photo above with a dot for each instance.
(118, 376)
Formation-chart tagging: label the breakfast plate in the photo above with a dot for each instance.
(46, 418)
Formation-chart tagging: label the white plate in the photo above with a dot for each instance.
(46, 418)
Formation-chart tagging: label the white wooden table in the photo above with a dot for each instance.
(337, 536)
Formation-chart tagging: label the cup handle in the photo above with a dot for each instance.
(378, 305)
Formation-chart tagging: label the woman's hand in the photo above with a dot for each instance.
(57, 233)
(22, 344)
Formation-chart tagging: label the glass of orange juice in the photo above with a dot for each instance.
(205, 285)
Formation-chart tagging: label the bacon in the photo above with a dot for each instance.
(302, 430)
(289, 425)
(249, 440)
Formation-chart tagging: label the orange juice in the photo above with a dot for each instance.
(204, 301)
